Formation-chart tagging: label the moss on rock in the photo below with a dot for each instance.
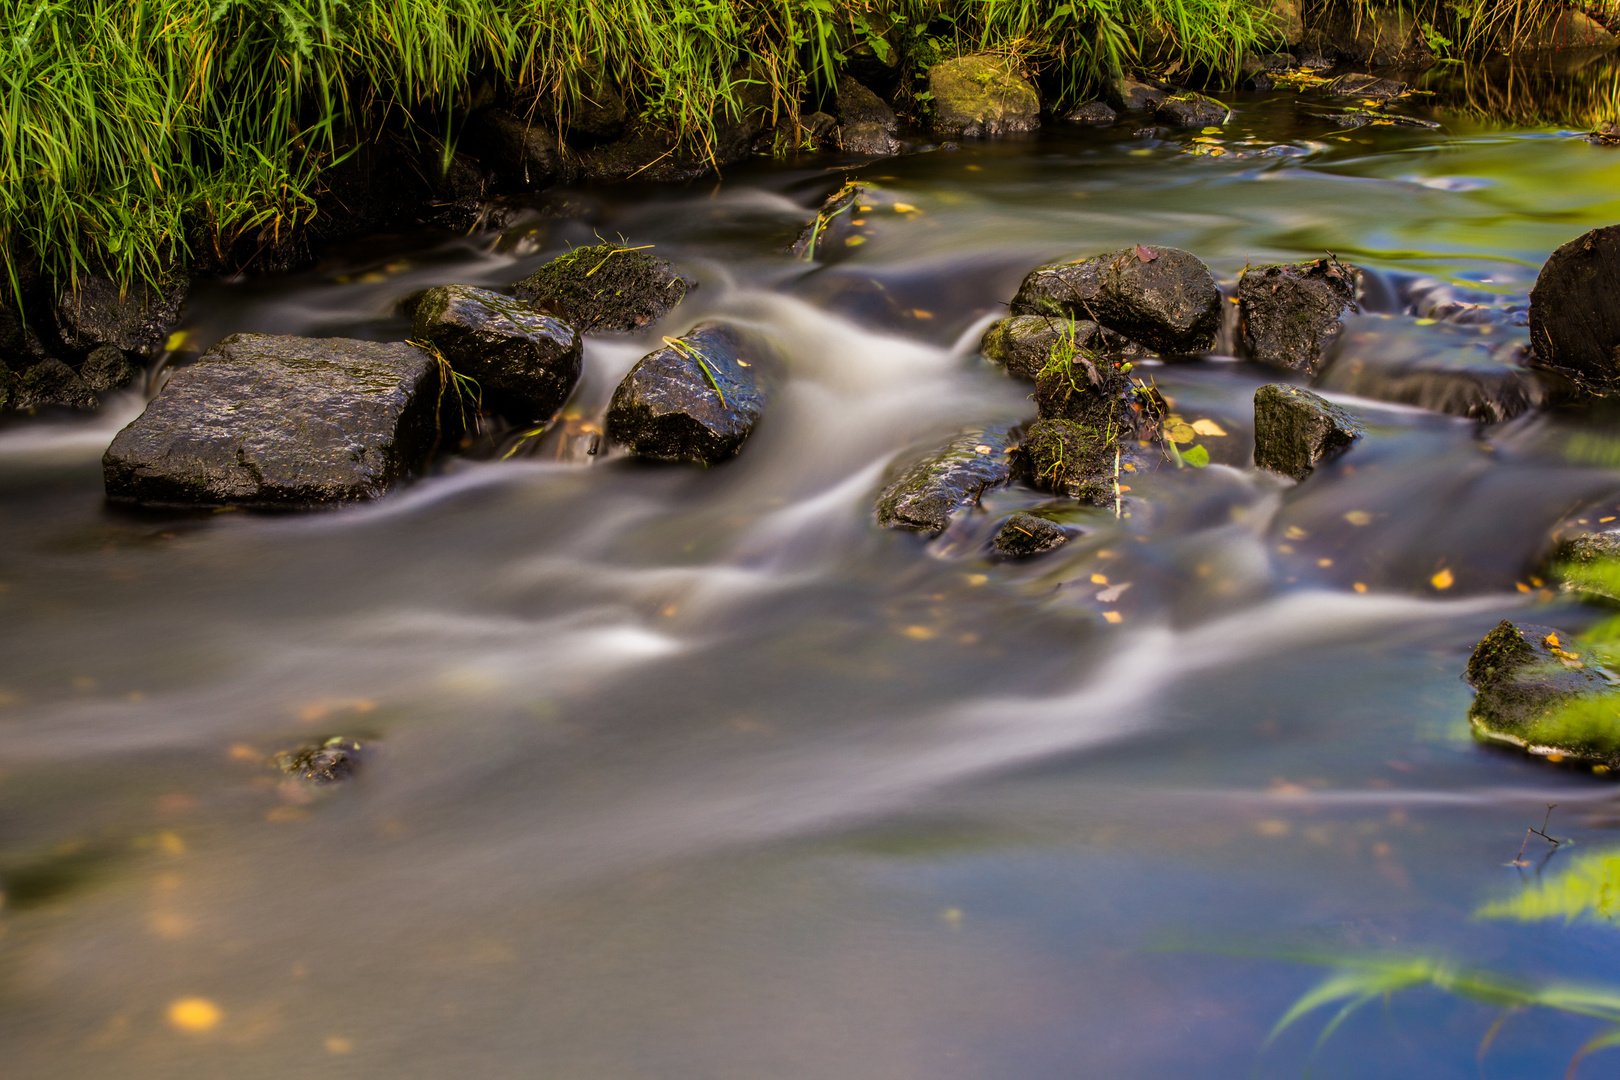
(606, 287)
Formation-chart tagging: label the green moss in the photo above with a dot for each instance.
(605, 287)
(1070, 457)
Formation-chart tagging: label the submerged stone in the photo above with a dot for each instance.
(1290, 314)
(869, 125)
(1575, 310)
(980, 96)
(831, 228)
(606, 287)
(1071, 458)
(696, 399)
(1357, 118)
(268, 421)
(525, 363)
(324, 762)
(933, 488)
(1024, 535)
(1162, 297)
(109, 368)
(51, 383)
(137, 319)
(1295, 430)
(1191, 110)
(1024, 344)
(1535, 692)
(1356, 84)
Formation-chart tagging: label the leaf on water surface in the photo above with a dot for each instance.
(1443, 580)
(1180, 431)
(1208, 427)
(1196, 456)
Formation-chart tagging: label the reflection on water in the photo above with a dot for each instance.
(1571, 88)
(696, 773)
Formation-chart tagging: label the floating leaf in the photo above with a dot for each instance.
(1180, 431)
(1208, 427)
(1196, 456)
(1443, 580)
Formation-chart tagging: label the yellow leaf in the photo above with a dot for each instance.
(194, 1014)
(1180, 432)
(1442, 580)
(1113, 616)
(1358, 517)
(1207, 427)
(855, 241)
(906, 208)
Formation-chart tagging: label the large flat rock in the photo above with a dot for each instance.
(267, 421)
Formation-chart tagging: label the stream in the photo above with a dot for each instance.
(684, 774)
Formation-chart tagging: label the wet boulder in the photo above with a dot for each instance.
(1093, 389)
(1024, 344)
(696, 399)
(933, 488)
(109, 368)
(137, 319)
(1161, 297)
(1356, 84)
(1024, 535)
(1073, 459)
(1290, 314)
(261, 420)
(981, 96)
(831, 228)
(526, 153)
(1379, 37)
(1348, 119)
(1129, 95)
(606, 287)
(1191, 110)
(869, 125)
(1575, 310)
(1534, 690)
(52, 384)
(525, 363)
(821, 129)
(1094, 113)
(1295, 430)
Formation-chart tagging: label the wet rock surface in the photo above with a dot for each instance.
(1096, 113)
(137, 319)
(869, 126)
(1295, 430)
(525, 363)
(694, 400)
(1348, 119)
(1379, 37)
(1025, 535)
(324, 762)
(981, 96)
(1128, 95)
(1464, 370)
(830, 229)
(1292, 313)
(1161, 297)
(1191, 110)
(267, 421)
(1071, 458)
(109, 368)
(1575, 310)
(933, 488)
(52, 384)
(1023, 344)
(1356, 84)
(606, 287)
(1529, 679)
(1094, 390)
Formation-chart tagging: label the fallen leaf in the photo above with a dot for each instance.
(1113, 616)
(1196, 456)
(906, 208)
(1443, 580)
(1358, 517)
(1208, 427)
(1181, 432)
(1113, 592)
(194, 1014)
(1144, 254)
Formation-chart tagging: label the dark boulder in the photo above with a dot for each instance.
(933, 488)
(1378, 37)
(1071, 458)
(597, 110)
(8, 387)
(52, 384)
(831, 228)
(1095, 113)
(1024, 535)
(109, 368)
(525, 363)
(526, 153)
(138, 319)
(268, 421)
(1095, 390)
(981, 96)
(1290, 314)
(1128, 95)
(1356, 84)
(1575, 310)
(649, 151)
(1162, 297)
(1534, 691)
(1024, 345)
(324, 762)
(1295, 430)
(696, 399)
(606, 287)
(821, 129)
(1191, 110)
(869, 125)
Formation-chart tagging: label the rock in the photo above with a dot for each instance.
(696, 399)
(1162, 297)
(869, 125)
(8, 387)
(1530, 688)
(925, 496)
(268, 421)
(606, 287)
(1587, 548)
(1024, 535)
(1365, 86)
(649, 151)
(525, 363)
(1295, 430)
(107, 368)
(1356, 118)
(1472, 371)
(980, 96)
(526, 153)
(1094, 390)
(137, 319)
(1314, 52)
(1290, 314)
(1191, 110)
(1269, 64)
(1023, 344)
(597, 111)
(51, 383)
(1072, 458)
(1558, 30)
(831, 227)
(324, 762)
(1387, 37)
(1127, 94)
(1094, 113)
(1283, 18)
(1575, 310)
(821, 129)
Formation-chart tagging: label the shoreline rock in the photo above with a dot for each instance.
(980, 96)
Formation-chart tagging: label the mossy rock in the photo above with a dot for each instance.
(1536, 692)
(1191, 110)
(1162, 297)
(1025, 535)
(934, 487)
(606, 287)
(1023, 344)
(1071, 458)
(1295, 430)
(980, 96)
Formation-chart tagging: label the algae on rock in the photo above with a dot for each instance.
(606, 287)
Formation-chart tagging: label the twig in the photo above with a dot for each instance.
(1518, 860)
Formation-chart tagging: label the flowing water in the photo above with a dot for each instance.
(698, 774)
